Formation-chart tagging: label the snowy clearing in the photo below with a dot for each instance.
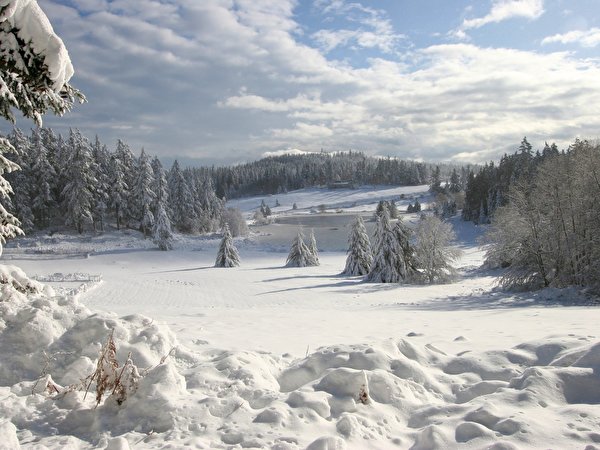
(274, 357)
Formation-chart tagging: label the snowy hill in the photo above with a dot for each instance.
(264, 356)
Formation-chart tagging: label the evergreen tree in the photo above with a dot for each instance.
(144, 196)
(43, 201)
(393, 210)
(184, 217)
(300, 255)
(21, 202)
(78, 193)
(454, 182)
(228, 255)
(118, 190)
(9, 224)
(312, 246)
(163, 236)
(417, 206)
(386, 266)
(101, 158)
(435, 183)
(359, 258)
(129, 173)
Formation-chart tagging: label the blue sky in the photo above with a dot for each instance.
(225, 81)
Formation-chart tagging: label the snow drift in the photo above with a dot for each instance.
(388, 394)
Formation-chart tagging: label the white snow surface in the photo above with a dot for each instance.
(35, 28)
(264, 356)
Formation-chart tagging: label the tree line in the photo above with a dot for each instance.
(544, 209)
(284, 173)
(80, 183)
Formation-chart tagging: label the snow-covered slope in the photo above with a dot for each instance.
(279, 358)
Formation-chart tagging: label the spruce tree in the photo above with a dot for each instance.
(118, 190)
(180, 195)
(42, 171)
(9, 224)
(386, 266)
(359, 258)
(162, 233)
(300, 255)
(228, 255)
(78, 193)
(312, 246)
(143, 194)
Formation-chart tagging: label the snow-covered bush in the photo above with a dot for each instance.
(235, 220)
(434, 251)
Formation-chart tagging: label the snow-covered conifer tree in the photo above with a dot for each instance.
(101, 166)
(78, 194)
(43, 173)
(118, 189)
(21, 204)
(143, 194)
(181, 200)
(228, 255)
(34, 73)
(129, 174)
(359, 258)
(300, 255)
(162, 233)
(387, 266)
(312, 246)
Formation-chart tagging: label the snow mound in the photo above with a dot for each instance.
(395, 393)
(50, 348)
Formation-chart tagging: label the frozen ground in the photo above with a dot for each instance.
(274, 357)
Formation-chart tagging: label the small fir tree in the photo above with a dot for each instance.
(312, 246)
(162, 233)
(228, 255)
(359, 258)
(300, 255)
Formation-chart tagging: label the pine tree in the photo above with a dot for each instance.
(143, 194)
(228, 255)
(101, 166)
(129, 173)
(359, 258)
(43, 200)
(21, 204)
(300, 255)
(312, 246)
(9, 224)
(78, 193)
(118, 189)
(163, 236)
(386, 262)
(184, 217)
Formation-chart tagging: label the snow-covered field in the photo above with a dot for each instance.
(273, 357)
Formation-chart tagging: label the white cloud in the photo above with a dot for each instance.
(585, 38)
(288, 151)
(375, 30)
(212, 80)
(504, 10)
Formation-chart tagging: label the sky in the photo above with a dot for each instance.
(227, 81)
